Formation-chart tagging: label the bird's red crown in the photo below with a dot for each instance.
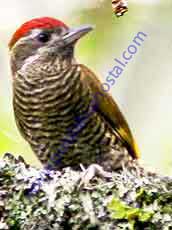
(44, 22)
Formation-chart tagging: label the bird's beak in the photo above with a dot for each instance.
(76, 33)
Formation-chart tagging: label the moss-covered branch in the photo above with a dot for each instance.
(41, 199)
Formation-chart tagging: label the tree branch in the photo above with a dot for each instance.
(42, 199)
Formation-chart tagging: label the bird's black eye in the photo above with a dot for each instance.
(43, 37)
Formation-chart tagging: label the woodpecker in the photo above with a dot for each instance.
(51, 90)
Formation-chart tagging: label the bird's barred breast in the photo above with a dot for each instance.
(47, 108)
(40, 102)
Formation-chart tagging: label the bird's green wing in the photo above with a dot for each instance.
(107, 107)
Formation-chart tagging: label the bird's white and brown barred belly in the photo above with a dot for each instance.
(47, 106)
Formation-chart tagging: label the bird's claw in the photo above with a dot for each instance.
(92, 171)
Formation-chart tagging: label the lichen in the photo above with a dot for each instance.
(41, 199)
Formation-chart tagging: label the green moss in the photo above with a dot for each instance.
(132, 199)
(121, 211)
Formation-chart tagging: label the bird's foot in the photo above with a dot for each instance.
(92, 171)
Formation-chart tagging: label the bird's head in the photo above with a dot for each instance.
(45, 37)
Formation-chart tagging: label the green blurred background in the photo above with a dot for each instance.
(143, 91)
